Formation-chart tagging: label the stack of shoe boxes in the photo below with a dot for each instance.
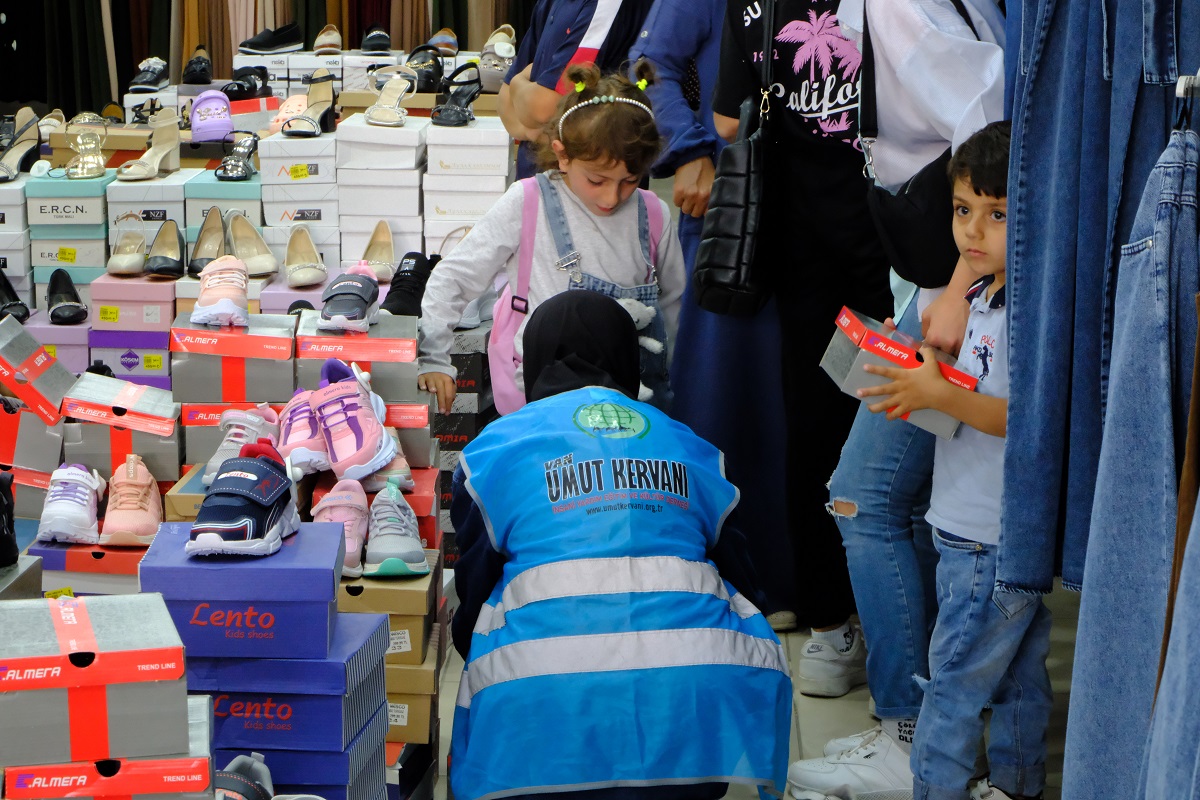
(276, 65)
(473, 409)
(202, 193)
(289, 676)
(131, 324)
(469, 169)
(117, 725)
(68, 228)
(14, 237)
(34, 449)
(379, 170)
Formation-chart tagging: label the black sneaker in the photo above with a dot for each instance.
(8, 534)
(287, 39)
(408, 286)
(199, 68)
(11, 304)
(62, 298)
(376, 40)
(153, 76)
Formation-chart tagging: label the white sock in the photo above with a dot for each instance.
(901, 731)
(840, 639)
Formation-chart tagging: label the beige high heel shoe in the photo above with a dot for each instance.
(163, 156)
(129, 253)
(247, 245)
(302, 265)
(380, 253)
(210, 243)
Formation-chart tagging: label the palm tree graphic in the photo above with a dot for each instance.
(818, 40)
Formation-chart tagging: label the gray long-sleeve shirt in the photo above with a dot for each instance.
(609, 248)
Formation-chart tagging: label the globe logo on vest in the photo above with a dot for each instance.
(611, 421)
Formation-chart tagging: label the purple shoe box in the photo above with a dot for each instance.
(282, 606)
(67, 343)
(141, 357)
(277, 296)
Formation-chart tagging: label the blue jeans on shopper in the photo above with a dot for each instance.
(985, 648)
(886, 472)
(1133, 518)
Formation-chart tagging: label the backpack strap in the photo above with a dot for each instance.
(650, 219)
(529, 212)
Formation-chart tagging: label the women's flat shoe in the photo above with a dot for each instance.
(163, 156)
(380, 253)
(166, 254)
(62, 298)
(210, 242)
(247, 245)
(198, 71)
(328, 41)
(497, 58)
(302, 264)
(129, 253)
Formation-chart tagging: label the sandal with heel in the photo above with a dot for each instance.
(22, 150)
(397, 83)
(163, 156)
(238, 166)
(456, 112)
(88, 142)
(319, 117)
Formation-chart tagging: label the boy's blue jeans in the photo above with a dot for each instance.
(985, 647)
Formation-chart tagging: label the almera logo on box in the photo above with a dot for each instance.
(249, 618)
(203, 416)
(246, 709)
(186, 338)
(321, 348)
(30, 674)
(31, 781)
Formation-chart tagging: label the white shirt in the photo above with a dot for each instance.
(935, 83)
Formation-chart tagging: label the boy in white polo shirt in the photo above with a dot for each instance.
(987, 646)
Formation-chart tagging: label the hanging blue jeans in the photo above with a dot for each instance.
(886, 472)
(1133, 518)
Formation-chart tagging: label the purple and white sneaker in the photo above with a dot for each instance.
(69, 514)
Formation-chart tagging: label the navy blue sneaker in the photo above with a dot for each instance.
(249, 508)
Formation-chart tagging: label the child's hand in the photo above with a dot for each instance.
(442, 385)
(909, 390)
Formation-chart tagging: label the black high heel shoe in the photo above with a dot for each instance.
(456, 112)
(11, 304)
(319, 117)
(426, 61)
(238, 165)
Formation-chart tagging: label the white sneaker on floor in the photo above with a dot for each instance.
(877, 769)
(825, 672)
(985, 791)
(782, 621)
(844, 743)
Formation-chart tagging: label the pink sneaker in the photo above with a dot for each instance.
(300, 437)
(222, 299)
(350, 416)
(134, 506)
(346, 503)
(398, 471)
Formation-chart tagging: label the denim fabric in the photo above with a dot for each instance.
(1133, 519)
(886, 470)
(985, 648)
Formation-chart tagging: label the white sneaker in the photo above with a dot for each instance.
(985, 791)
(69, 514)
(242, 427)
(877, 769)
(844, 743)
(825, 672)
(782, 621)
(393, 540)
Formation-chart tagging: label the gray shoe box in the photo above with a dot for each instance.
(45, 393)
(90, 444)
(419, 446)
(145, 717)
(22, 580)
(474, 340)
(393, 376)
(197, 377)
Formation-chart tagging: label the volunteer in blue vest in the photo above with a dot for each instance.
(606, 656)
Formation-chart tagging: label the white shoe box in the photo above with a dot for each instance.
(280, 89)
(296, 159)
(155, 201)
(407, 236)
(482, 147)
(12, 205)
(316, 204)
(442, 236)
(462, 197)
(377, 147)
(357, 65)
(14, 253)
(68, 253)
(306, 63)
(196, 208)
(326, 237)
(367, 193)
(276, 64)
(167, 98)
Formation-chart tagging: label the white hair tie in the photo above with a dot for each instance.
(599, 100)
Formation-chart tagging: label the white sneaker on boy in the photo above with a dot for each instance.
(877, 769)
(826, 672)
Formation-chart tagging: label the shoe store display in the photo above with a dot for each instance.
(350, 417)
(134, 508)
(346, 503)
(113, 114)
(294, 106)
(50, 123)
(166, 253)
(250, 507)
(248, 83)
(826, 672)
(11, 304)
(239, 164)
(319, 117)
(210, 242)
(69, 514)
(9, 552)
(163, 156)
(460, 94)
(247, 244)
(152, 76)
(241, 428)
(22, 149)
(497, 58)
(198, 71)
(328, 41)
(878, 768)
(376, 40)
(300, 438)
(129, 253)
(299, 306)
(302, 263)
(445, 41)
(222, 300)
(408, 286)
(143, 111)
(380, 253)
(88, 144)
(63, 300)
(211, 118)
(393, 541)
(285, 39)
(351, 301)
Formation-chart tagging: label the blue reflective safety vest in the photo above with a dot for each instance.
(611, 653)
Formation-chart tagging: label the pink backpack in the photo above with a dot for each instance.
(511, 308)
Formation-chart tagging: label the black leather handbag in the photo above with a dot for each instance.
(915, 223)
(731, 274)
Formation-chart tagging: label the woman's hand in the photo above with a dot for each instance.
(693, 184)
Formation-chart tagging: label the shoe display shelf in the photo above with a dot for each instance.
(424, 500)
(153, 202)
(304, 63)
(68, 228)
(469, 169)
(295, 160)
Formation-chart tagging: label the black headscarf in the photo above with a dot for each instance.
(577, 339)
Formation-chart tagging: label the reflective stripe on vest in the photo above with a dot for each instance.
(599, 576)
(620, 652)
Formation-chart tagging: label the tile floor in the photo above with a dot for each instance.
(815, 721)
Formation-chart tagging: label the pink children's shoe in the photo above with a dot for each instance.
(346, 503)
(300, 437)
(351, 418)
(134, 506)
(294, 106)
(397, 471)
(222, 300)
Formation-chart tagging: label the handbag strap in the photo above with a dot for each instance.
(868, 112)
(650, 219)
(768, 57)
